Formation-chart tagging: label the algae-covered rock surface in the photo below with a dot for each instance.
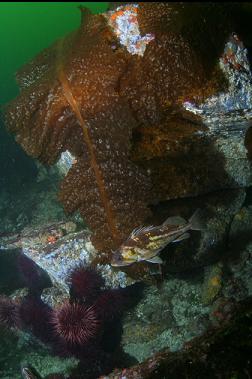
(17, 350)
(221, 353)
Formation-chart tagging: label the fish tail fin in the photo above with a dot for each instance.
(197, 220)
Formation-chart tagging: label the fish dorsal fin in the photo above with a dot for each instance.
(174, 220)
(142, 229)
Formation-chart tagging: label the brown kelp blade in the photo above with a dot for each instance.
(69, 101)
(87, 92)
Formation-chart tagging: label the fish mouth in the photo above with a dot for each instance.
(116, 262)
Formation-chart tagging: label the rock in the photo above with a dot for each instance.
(185, 306)
(212, 283)
(57, 248)
(184, 160)
(33, 204)
(241, 230)
(248, 142)
(17, 349)
(167, 317)
(216, 354)
(239, 285)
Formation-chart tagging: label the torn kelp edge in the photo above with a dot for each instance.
(65, 162)
(227, 110)
(124, 23)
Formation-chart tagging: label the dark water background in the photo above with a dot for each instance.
(26, 28)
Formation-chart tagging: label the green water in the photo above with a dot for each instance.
(27, 28)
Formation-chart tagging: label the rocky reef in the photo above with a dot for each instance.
(222, 353)
(145, 111)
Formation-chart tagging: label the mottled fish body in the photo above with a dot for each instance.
(145, 243)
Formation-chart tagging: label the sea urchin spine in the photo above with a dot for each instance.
(76, 323)
(85, 284)
(9, 312)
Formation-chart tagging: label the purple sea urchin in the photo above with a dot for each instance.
(113, 302)
(36, 317)
(110, 303)
(76, 323)
(85, 284)
(9, 312)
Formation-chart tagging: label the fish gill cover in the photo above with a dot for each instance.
(86, 94)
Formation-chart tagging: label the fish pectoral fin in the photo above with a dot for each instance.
(155, 259)
(182, 237)
(174, 220)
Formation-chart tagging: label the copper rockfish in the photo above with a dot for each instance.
(145, 243)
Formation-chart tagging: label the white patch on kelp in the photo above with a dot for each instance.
(65, 162)
(124, 23)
